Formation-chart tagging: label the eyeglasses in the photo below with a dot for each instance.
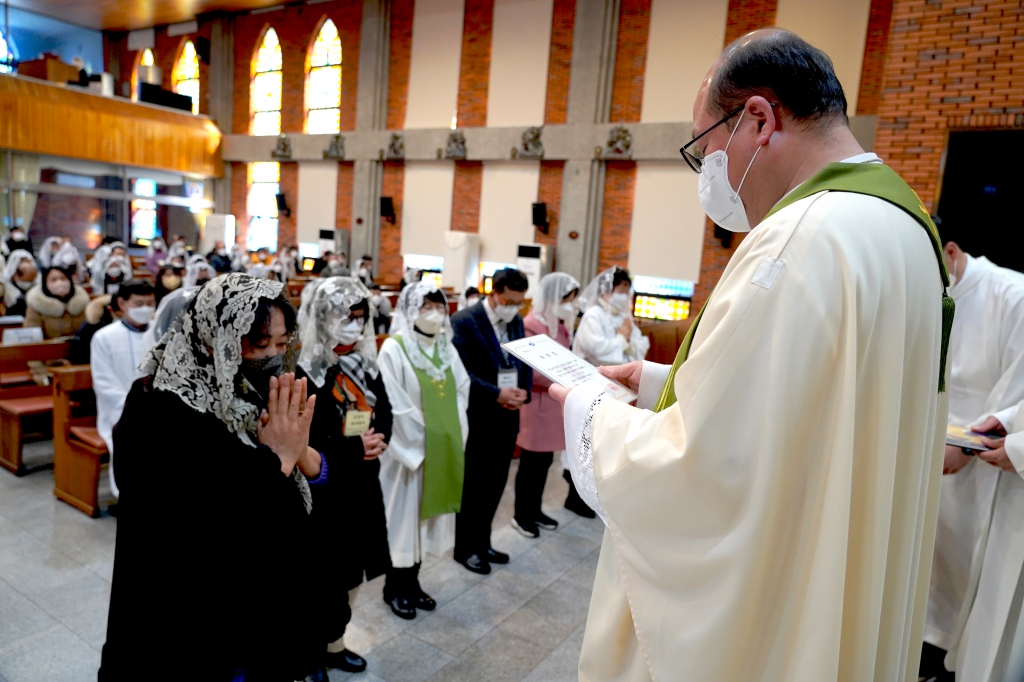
(692, 159)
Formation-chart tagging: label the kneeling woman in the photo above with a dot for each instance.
(214, 528)
(351, 427)
(423, 468)
(56, 304)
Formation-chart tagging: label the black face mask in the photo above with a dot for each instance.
(258, 372)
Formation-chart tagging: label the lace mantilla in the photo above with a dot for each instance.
(321, 319)
(418, 357)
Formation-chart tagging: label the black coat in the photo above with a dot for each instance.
(481, 354)
(211, 570)
(349, 508)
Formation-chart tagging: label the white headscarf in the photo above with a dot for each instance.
(103, 261)
(197, 267)
(404, 324)
(46, 253)
(261, 271)
(178, 250)
(156, 246)
(327, 312)
(239, 258)
(167, 311)
(68, 257)
(306, 297)
(552, 288)
(11, 292)
(598, 287)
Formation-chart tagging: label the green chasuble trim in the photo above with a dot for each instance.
(444, 463)
(873, 179)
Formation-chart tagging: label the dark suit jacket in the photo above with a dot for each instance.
(481, 354)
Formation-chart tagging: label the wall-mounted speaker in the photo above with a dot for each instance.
(282, 205)
(540, 217)
(387, 209)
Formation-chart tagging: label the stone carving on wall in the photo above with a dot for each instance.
(532, 147)
(456, 147)
(620, 144)
(283, 150)
(396, 148)
(336, 150)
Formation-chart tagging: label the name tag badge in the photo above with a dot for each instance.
(357, 422)
(508, 378)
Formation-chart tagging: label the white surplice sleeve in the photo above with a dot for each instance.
(408, 431)
(652, 381)
(578, 415)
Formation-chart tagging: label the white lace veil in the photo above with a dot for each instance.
(46, 253)
(196, 268)
(152, 248)
(553, 288)
(260, 271)
(11, 292)
(68, 257)
(600, 285)
(403, 324)
(103, 261)
(322, 319)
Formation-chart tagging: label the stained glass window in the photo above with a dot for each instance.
(147, 58)
(186, 74)
(265, 94)
(264, 186)
(5, 56)
(323, 83)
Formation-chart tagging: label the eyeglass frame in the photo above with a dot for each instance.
(695, 164)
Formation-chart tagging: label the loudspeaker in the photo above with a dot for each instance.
(540, 217)
(387, 209)
(203, 49)
(282, 205)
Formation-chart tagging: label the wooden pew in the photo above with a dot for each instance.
(25, 405)
(78, 451)
(665, 337)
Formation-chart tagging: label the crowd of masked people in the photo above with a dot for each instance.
(322, 462)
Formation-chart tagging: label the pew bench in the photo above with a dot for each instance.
(79, 453)
(25, 407)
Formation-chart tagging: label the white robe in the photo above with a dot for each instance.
(986, 357)
(401, 465)
(116, 352)
(598, 341)
(771, 525)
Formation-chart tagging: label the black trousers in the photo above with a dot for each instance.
(530, 480)
(488, 457)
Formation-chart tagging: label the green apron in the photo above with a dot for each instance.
(444, 463)
(873, 179)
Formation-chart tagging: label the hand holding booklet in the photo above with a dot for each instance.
(562, 366)
(965, 438)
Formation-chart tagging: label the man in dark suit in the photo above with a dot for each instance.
(500, 386)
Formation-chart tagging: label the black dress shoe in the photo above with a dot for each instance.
(476, 563)
(318, 675)
(545, 521)
(400, 606)
(526, 528)
(346, 660)
(423, 601)
(495, 557)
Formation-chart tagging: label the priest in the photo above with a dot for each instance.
(770, 503)
(986, 358)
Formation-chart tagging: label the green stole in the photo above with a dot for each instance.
(873, 179)
(444, 463)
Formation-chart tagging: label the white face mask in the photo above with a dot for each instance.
(430, 322)
(25, 286)
(719, 200)
(565, 311)
(350, 333)
(472, 300)
(61, 288)
(141, 315)
(620, 302)
(506, 313)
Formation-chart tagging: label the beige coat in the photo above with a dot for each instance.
(55, 317)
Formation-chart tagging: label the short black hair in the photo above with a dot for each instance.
(783, 68)
(509, 278)
(367, 256)
(373, 286)
(436, 296)
(471, 291)
(260, 328)
(574, 291)
(109, 240)
(133, 287)
(619, 276)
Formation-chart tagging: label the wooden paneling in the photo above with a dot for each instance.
(43, 118)
(131, 14)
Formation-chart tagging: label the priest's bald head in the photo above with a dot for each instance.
(774, 104)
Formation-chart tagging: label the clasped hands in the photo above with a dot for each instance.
(284, 425)
(955, 459)
(512, 398)
(373, 444)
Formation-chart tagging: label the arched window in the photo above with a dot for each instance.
(145, 58)
(264, 186)
(323, 82)
(186, 74)
(6, 55)
(265, 93)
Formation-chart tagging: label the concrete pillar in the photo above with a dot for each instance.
(221, 100)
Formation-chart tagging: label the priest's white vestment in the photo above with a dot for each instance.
(771, 524)
(986, 358)
(401, 465)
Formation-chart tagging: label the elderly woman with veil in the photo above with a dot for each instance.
(423, 468)
(351, 427)
(211, 579)
(607, 335)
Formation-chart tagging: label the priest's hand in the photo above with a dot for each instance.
(373, 445)
(955, 460)
(285, 426)
(997, 456)
(990, 425)
(628, 374)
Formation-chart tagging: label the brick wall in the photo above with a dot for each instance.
(616, 214)
(466, 196)
(630, 59)
(550, 193)
(239, 196)
(949, 64)
(286, 230)
(390, 268)
(398, 62)
(346, 182)
(556, 103)
(475, 63)
(879, 20)
(744, 16)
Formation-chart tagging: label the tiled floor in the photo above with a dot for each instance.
(523, 622)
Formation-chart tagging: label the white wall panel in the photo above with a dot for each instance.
(317, 204)
(427, 206)
(668, 222)
(506, 208)
(839, 27)
(434, 63)
(520, 45)
(685, 38)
